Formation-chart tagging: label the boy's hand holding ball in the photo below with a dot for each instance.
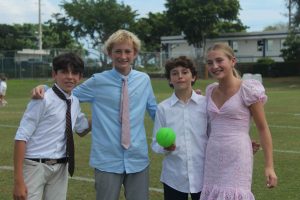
(166, 137)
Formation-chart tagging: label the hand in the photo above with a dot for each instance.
(38, 92)
(271, 178)
(86, 131)
(198, 91)
(170, 148)
(20, 191)
(255, 146)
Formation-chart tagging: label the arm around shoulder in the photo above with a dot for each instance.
(38, 92)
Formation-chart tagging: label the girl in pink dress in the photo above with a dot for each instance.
(231, 104)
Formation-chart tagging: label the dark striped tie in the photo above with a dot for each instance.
(68, 131)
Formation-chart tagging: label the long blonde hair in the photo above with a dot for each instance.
(228, 51)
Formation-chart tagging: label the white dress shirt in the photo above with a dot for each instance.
(3, 88)
(43, 125)
(183, 168)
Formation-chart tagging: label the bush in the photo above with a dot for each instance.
(265, 61)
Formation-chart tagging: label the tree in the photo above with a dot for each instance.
(292, 50)
(151, 28)
(57, 35)
(97, 19)
(17, 37)
(199, 19)
(294, 17)
(277, 27)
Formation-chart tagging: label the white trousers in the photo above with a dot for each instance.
(47, 182)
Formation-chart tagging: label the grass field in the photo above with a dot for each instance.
(283, 114)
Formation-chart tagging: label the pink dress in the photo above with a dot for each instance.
(229, 157)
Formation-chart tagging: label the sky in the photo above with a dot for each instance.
(256, 14)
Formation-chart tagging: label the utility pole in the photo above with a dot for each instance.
(290, 14)
(40, 28)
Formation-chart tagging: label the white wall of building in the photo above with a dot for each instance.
(245, 45)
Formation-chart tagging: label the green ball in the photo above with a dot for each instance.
(165, 137)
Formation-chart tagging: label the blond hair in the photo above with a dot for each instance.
(121, 36)
(228, 51)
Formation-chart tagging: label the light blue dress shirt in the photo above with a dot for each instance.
(103, 91)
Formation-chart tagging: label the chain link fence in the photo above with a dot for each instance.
(40, 66)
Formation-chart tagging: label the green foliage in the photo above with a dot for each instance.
(295, 4)
(17, 37)
(277, 27)
(58, 35)
(151, 28)
(199, 19)
(97, 19)
(266, 61)
(292, 50)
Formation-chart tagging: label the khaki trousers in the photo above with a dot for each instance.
(47, 182)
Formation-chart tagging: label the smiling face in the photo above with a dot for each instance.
(66, 79)
(181, 78)
(219, 64)
(122, 56)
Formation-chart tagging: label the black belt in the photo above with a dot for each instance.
(49, 161)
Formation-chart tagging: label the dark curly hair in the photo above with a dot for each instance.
(182, 61)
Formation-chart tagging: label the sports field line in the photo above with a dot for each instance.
(78, 178)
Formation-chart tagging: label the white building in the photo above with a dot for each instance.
(31, 54)
(248, 47)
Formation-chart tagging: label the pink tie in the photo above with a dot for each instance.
(125, 115)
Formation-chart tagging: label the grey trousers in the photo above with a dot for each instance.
(108, 185)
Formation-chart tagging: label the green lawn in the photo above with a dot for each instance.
(283, 114)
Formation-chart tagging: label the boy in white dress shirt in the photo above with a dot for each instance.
(40, 158)
(185, 113)
(3, 88)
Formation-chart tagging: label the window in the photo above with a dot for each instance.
(260, 45)
(235, 46)
(282, 41)
(270, 45)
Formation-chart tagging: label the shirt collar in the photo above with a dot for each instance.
(66, 94)
(193, 98)
(119, 75)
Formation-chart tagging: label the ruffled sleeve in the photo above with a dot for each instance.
(253, 91)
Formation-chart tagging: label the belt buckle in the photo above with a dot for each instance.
(51, 162)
